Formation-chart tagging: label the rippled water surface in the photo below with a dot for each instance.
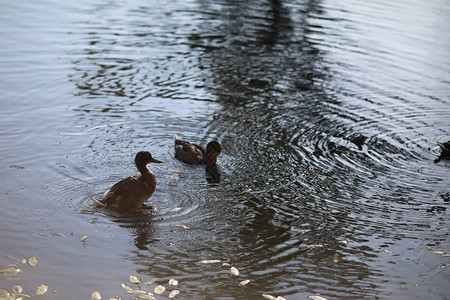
(328, 113)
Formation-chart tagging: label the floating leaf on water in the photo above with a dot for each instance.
(234, 271)
(159, 289)
(96, 296)
(344, 242)
(33, 261)
(182, 226)
(135, 279)
(16, 166)
(22, 261)
(173, 282)
(137, 292)
(174, 293)
(70, 205)
(209, 261)
(93, 221)
(115, 298)
(281, 298)
(10, 271)
(336, 258)
(127, 287)
(175, 209)
(41, 234)
(83, 238)
(244, 282)
(17, 289)
(226, 264)
(314, 246)
(387, 251)
(270, 297)
(42, 289)
(151, 281)
(313, 297)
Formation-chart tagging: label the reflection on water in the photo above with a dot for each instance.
(328, 113)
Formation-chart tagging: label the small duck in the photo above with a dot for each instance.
(130, 193)
(196, 154)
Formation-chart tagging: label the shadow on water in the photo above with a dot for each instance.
(313, 185)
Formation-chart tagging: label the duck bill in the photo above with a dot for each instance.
(156, 161)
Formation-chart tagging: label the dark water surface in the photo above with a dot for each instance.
(328, 112)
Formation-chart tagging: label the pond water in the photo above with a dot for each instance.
(328, 113)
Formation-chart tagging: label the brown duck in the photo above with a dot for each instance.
(130, 193)
(197, 154)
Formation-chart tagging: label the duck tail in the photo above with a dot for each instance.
(177, 139)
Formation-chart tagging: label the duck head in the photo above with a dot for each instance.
(143, 158)
(213, 150)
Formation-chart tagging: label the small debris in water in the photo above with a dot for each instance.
(441, 253)
(234, 271)
(127, 287)
(93, 221)
(336, 258)
(387, 251)
(244, 282)
(84, 211)
(173, 282)
(47, 228)
(209, 261)
(270, 297)
(13, 278)
(226, 264)
(314, 246)
(16, 166)
(182, 226)
(42, 289)
(9, 271)
(83, 238)
(159, 289)
(22, 261)
(17, 289)
(343, 242)
(135, 279)
(58, 234)
(137, 292)
(115, 298)
(174, 293)
(175, 209)
(151, 281)
(96, 296)
(33, 261)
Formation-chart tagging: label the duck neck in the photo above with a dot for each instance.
(145, 171)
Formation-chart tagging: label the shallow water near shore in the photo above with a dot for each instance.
(328, 114)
